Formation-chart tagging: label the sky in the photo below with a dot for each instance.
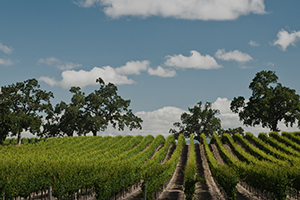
(165, 56)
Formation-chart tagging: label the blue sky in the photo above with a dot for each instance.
(163, 55)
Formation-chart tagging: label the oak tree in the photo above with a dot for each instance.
(201, 119)
(269, 104)
(91, 113)
(104, 106)
(24, 103)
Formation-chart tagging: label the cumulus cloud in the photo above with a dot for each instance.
(6, 49)
(59, 64)
(6, 62)
(233, 55)
(155, 122)
(286, 39)
(228, 118)
(195, 60)
(133, 67)
(50, 81)
(254, 43)
(188, 9)
(84, 78)
(161, 72)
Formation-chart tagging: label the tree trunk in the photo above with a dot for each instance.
(70, 133)
(197, 137)
(274, 127)
(19, 138)
(94, 133)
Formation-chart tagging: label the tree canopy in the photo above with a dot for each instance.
(201, 119)
(104, 106)
(270, 103)
(91, 113)
(22, 104)
(232, 131)
(25, 107)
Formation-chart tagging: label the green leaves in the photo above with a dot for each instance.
(104, 106)
(225, 176)
(201, 119)
(190, 178)
(91, 113)
(270, 102)
(23, 103)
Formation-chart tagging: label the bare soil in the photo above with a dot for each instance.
(206, 189)
(240, 145)
(169, 153)
(230, 150)
(215, 151)
(174, 189)
(252, 143)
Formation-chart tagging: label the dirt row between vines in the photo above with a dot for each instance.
(242, 193)
(207, 189)
(174, 189)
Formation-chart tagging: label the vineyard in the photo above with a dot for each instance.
(135, 167)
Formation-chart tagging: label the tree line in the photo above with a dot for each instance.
(26, 107)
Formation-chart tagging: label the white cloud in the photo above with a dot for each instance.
(6, 62)
(161, 72)
(6, 49)
(50, 81)
(188, 9)
(270, 64)
(230, 119)
(254, 43)
(233, 55)
(133, 67)
(59, 64)
(155, 122)
(84, 78)
(286, 39)
(195, 60)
